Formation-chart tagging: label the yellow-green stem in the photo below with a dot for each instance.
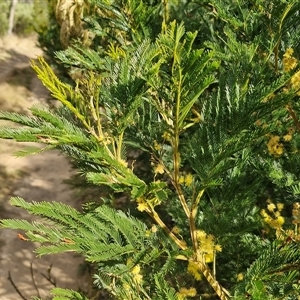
(191, 213)
(192, 220)
(176, 155)
(99, 126)
(119, 146)
(221, 292)
(158, 220)
(276, 51)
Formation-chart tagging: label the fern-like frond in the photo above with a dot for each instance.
(229, 125)
(163, 289)
(19, 118)
(102, 235)
(59, 90)
(66, 294)
(30, 150)
(82, 58)
(275, 271)
(20, 134)
(179, 72)
(114, 240)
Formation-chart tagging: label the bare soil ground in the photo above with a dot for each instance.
(38, 177)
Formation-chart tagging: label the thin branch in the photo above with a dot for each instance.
(192, 220)
(49, 277)
(15, 287)
(33, 280)
(181, 244)
(294, 116)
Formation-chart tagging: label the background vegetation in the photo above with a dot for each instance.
(26, 21)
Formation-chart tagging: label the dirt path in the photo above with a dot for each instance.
(36, 177)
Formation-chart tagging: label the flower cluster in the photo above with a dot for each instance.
(148, 202)
(288, 137)
(276, 221)
(290, 234)
(159, 169)
(240, 277)
(166, 136)
(295, 82)
(136, 272)
(184, 292)
(207, 248)
(157, 146)
(134, 280)
(186, 179)
(289, 62)
(142, 204)
(152, 230)
(207, 245)
(274, 147)
(194, 270)
(272, 216)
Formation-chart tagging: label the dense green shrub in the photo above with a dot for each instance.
(26, 21)
(4, 9)
(188, 110)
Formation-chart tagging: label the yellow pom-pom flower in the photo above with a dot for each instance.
(274, 147)
(184, 292)
(289, 62)
(193, 269)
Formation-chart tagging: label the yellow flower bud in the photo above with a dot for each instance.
(159, 169)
